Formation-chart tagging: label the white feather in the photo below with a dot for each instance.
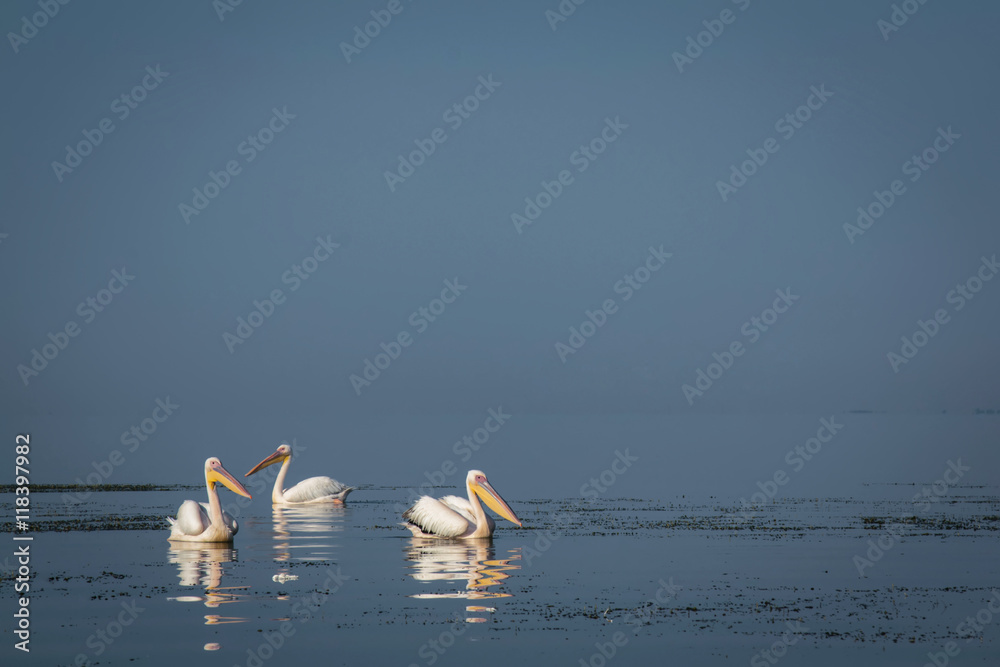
(194, 519)
(312, 490)
(433, 517)
(450, 516)
(316, 489)
(191, 519)
(455, 517)
(460, 505)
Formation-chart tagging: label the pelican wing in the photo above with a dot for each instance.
(192, 518)
(460, 505)
(464, 507)
(316, 488)
(445, 518)
(227, 518)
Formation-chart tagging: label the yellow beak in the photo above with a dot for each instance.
(270, 460)
(221, 475)
(493, 500)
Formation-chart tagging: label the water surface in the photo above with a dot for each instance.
(682, 581)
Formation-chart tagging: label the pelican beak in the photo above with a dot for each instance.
(270, 460)
(493, 500)
(221, 475)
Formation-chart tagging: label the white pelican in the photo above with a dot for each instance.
(454, 517)
(206, 522)
(312, 490)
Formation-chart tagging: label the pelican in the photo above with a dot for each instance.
(454, 517)
(312, 490)
(206, 522)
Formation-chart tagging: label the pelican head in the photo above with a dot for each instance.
(216, 474)
(206, 522)
(283, 453)
(478, 484)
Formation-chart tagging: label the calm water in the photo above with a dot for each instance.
(682, 582)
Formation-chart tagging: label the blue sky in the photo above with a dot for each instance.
(345, 124)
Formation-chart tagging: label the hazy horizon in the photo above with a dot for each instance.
(595, 223)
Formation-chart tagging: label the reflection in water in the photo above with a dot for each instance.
(201, 564)
(471, 561)
(305, 532)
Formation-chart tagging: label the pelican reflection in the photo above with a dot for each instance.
(473, 562)
(305, 533)
(203, 565)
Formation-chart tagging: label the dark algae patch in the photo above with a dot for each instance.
(122, 522)
(57, 488)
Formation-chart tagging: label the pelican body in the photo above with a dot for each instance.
(206, 522)
(312, 490)
(452, 517)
